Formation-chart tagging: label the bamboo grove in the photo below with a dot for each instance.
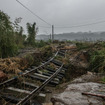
(12, 37)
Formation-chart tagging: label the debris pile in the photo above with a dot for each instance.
(12, 65)
(3, 76)
(80, 59)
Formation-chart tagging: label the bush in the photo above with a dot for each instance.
(46, 51)
(41, 43)
(30, 59)
(97, 61)
(84, 45)
(7, 40)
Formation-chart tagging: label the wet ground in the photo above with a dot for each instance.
(72, 95)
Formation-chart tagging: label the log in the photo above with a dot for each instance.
(93, 94)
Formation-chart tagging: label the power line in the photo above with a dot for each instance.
(82, 25)
(43, 26)
(33, 13)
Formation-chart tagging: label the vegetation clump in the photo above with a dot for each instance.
(12, 38)
(8, 46)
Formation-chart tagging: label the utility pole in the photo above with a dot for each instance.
(52, 33)
(50, 37)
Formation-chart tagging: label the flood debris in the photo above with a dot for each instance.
(12, 65)
(80, 59)
(3, 76)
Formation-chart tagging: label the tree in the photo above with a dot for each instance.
(32, 30)
(7, 42)
(19, 38)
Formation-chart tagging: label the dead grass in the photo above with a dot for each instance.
(12, 65)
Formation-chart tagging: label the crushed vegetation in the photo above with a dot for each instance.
(82, 57)
(14, 65)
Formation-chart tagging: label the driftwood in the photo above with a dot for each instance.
(93, 94)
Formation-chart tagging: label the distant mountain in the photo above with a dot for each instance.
(75, 36)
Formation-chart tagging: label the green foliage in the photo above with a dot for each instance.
(46, 51)
(7, 42)
(103, 79)
(40, 43)
(82, 46)
(18, 31)
(32, 30)
(29, 58)
(97, 61)
(102, 44)
(11, 36)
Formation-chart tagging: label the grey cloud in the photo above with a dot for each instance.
(59, 13)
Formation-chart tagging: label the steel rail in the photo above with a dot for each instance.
(34, 92)
(32, 70)
(23, 74)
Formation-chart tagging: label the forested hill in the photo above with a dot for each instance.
(75, 36)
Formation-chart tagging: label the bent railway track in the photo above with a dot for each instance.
(20, 90)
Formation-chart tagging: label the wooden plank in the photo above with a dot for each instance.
(24, 91)
(11, 99)
(19, 90)
(30, 84)
(56, 62)
(46, 77)
(34, 92)
(42, 95)
(43, 79)
(48, 74)
(62, 72)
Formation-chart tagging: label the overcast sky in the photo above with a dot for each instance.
(62, 13)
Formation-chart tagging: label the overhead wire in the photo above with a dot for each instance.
(81, 25)
(43, 26)
(33, 13)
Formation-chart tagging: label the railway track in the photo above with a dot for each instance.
(19, 90)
